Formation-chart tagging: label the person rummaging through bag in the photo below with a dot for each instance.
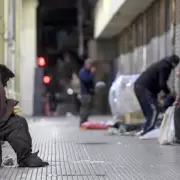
(87, 85)
(147, 87)
(14, 128)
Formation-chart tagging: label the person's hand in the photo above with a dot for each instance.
(93, 69)
(176, 102)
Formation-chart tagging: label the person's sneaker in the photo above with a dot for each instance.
(33, 161)
(140, 133)
(176, 141)
(142, 137)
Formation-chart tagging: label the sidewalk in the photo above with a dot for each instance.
(92, 155)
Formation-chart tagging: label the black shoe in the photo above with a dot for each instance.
(81, 122)
(177, 141)
(33, 161)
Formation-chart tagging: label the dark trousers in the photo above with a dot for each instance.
(15, 131)
(149, 105)
(177, 122)
(86, 107)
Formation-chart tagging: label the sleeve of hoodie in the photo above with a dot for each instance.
(6, 104)
(164, 73)
(3, 101)
(86, 77)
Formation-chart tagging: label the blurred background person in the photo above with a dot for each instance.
(87, 84)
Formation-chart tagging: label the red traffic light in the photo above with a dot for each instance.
(46, 79)
(41, 62)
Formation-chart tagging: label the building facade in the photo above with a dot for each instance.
(142, 32)
(10, 42)
(18, 48)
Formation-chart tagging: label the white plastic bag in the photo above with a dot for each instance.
(122, 99)
(167, 130)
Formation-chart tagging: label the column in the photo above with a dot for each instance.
(28, 55)
(18, 15)
(2, 10)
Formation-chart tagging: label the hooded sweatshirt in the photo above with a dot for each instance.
(155, 77)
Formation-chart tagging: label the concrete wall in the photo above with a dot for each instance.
(18, 48)
(112, 16)
(8, 41)
(177, 45)
(103, 50)
(104, 11)
(146, 39)
(28, 55)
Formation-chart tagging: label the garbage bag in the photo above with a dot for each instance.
(122, 99)
(167, 129)
(94, 125)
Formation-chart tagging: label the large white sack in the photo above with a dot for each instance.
(167, 129)
(122, 99)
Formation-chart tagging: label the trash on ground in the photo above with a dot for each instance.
(94, 126)
(69, 114)
(9, 161)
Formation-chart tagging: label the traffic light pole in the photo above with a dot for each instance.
(38, 93)
(80, 28)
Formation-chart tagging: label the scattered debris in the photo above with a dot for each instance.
(9, 161)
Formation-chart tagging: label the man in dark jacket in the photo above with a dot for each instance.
(86, 76)
(14, 128)
(150, 83)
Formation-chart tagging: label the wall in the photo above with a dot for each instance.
(28, 55)
(177, 44)
(8, 41)
(103, 49)
(104, 12)
(147, 39)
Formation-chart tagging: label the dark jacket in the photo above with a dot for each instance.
(86, 81)
(6, 105)
(155, 78)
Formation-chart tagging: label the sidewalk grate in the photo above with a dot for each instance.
(86, 155)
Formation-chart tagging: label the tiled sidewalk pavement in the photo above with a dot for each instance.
(86, 155)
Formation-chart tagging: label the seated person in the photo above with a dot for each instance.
(14, 128)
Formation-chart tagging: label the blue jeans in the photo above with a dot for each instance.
(149, 105)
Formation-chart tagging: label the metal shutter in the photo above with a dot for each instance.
(177, 43)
